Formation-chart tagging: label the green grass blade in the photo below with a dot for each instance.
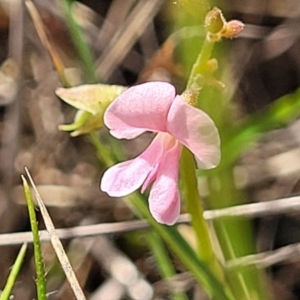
(38, 258)
(164, 263)
(57, 245)
(83, 50)
(5, 295)
(278, 114)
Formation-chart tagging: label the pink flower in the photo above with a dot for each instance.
(155, 107)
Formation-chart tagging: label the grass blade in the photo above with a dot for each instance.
(38, 258)
(164, 263)
(56, 243)
(82, 48)
(5, 295)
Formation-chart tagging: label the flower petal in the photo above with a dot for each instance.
(126, 177)
(162, 141)
(140, 108)
(196, 130)
(164, 200)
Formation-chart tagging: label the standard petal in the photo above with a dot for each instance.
(140, 108)
(126, 177)
(164, 200)
(196, 130)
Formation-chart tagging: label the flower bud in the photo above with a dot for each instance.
(215, 21)
(211, 65)
(232, 29)
(190, 95)
(218, 27)
(91, 101)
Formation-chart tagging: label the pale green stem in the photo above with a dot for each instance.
(189, 179)
(245, 284)
(164, 263)
(200, 64)
(38, 257)
(195, 209)
(82, 48)
(6, 293)
(103, 153)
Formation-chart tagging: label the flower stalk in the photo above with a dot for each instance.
(194, 207)
(200, 65)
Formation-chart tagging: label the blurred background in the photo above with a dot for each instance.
(127, 40)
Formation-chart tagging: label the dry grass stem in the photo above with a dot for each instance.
(56, 243)
(81, 231)
(253, 210)
(123, 40)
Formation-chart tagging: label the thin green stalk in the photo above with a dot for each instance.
(195, 209)
(55, 241)
(38, 258)
(83, 50)
(200, 64)
(5, 294)
(164, 263)
(248, 283)
(102, 152)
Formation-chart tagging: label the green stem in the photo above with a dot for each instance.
(103, 153)
(83, 50)
(200, 64)
(6, 293)
(38, 257)
(195, 209)
(164, 263)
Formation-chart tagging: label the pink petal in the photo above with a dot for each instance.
(126, 177)
(196, 130)
(163, 141)
(140, 108)
(164, 200)
(150, 178)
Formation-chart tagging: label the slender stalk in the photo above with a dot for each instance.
(164, 263)
(200, 64)
(6, 293)
(248, 282)
(38, 258)
(55, 241)
(102, 152)
(188, 167)
(195, 209)
(83, 49)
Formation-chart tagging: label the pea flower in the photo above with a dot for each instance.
(154, 106)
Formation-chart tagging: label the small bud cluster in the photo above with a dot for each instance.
(218, 27)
